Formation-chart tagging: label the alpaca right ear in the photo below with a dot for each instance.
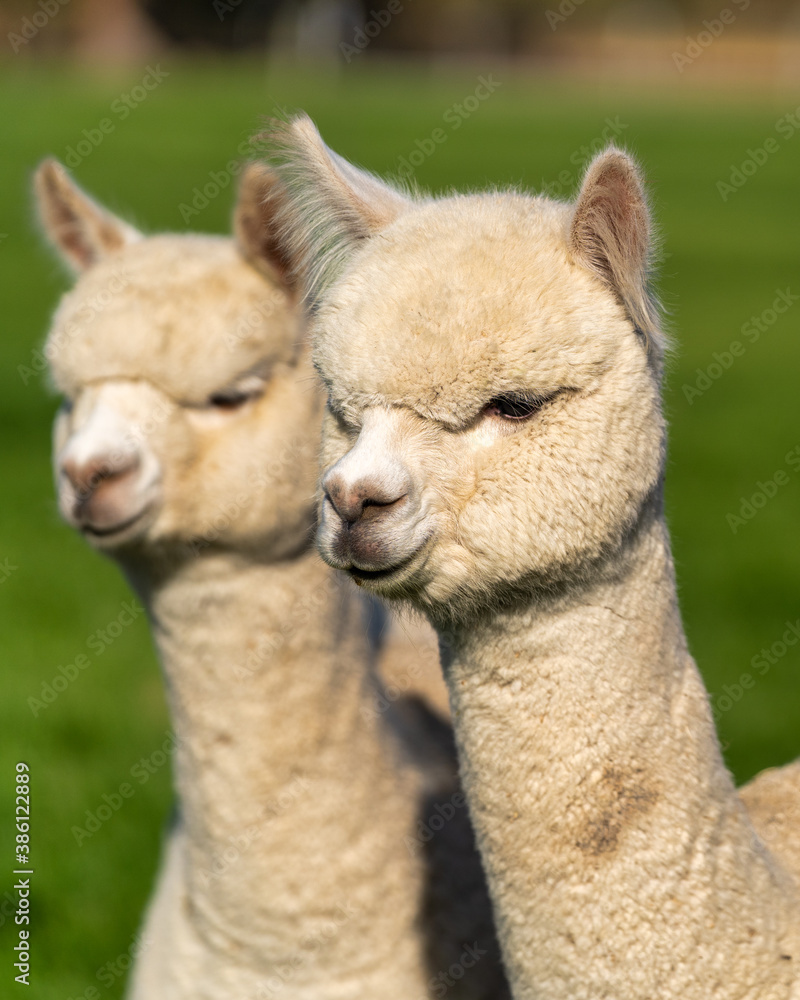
(611, 235)
(80, 230)
(255, 223)
(330, 206)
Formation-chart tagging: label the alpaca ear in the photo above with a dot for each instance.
(330, 206)
(80, 230)
(611, 235)
(255, 222)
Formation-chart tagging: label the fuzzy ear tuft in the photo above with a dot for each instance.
(611, 234)
(255, 222)
(80, 230)
(330, 205)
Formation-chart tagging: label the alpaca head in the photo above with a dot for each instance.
(189, 411)
(492, 367)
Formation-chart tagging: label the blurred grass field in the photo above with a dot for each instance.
(725, 261)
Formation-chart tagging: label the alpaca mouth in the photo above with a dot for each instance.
(396, 573)
(374, 574)
(113, 534)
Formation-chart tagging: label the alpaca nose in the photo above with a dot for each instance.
(85, 477)
(363, 500)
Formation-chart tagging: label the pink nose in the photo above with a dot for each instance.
(86, 477)
(360, 501)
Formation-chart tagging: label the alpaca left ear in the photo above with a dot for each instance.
(81, 231)
(611, 235)
(329, 207)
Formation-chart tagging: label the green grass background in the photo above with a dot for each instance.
(724, 262)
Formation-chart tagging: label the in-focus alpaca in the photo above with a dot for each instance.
(186, 450)
(494, 448)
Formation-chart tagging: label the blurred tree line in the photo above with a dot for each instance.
(402, 26)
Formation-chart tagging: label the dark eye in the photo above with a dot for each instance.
(228, 400)
(514, 407)
(235, 396)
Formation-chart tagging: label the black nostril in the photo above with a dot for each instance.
(375, 502)
(333, 498)
(381, 503)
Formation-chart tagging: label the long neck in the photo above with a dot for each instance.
(280, 763)
(619, 858)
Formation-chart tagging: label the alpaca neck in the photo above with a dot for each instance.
(619, 858)
(280, 765)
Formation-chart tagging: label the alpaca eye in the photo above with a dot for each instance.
(514, 407)
(228, 399)
(235, 396)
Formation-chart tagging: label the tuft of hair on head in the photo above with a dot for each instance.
(611, 234)
(330, 206)
(80, 230)
(256, 227)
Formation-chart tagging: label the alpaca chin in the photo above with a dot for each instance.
(106, 533)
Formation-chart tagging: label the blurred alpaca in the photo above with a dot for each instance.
(299, 862)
